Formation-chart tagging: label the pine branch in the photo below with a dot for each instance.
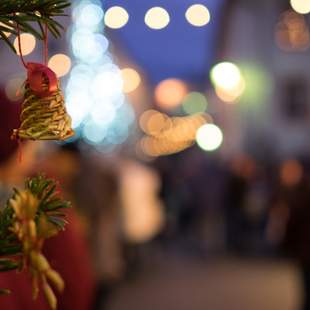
(28, 13)
(31, 216)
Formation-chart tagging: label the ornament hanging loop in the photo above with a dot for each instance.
(37, 75)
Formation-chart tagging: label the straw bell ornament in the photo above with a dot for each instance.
(43, 115)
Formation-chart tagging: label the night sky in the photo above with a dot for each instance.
(180, 50)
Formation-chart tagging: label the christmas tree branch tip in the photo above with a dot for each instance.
(25, 15)
(31, 216)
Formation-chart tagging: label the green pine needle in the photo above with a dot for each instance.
(29, 13)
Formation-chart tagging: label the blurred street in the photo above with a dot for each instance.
(170, 283)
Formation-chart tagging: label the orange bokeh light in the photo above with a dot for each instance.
(291, 172)
(152, 122)
(170, 93)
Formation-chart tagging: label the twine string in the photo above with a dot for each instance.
(20, 45)
(45, 48)
(45, 44)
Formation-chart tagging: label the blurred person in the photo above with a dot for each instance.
(289, 219)
(91, 182)
(142, 210)
(66, 252)
(242, 171)
(97, 190)
(142, 214)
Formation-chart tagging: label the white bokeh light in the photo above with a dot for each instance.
(226, 75)
(228, 81)
(107, 84)
(103, 113)
(94, 91)
(301, 6)
(89, 47)
(116, 17)
(209, 137)
(157, 18)
(198, 15)
(94, 133)
(89, 15)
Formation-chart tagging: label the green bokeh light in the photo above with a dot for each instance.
(194, 102)
(258, 84)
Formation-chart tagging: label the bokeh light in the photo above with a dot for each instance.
(228, 81)
(94, 134)
(153, 122)
(103, 113)
(94, 92)
(116, 17)
(170, 93)
(230, 95)
(89, 15)
(13, 88)
(226, 75)
(131, 79)
(154, 147)
(301, 6)
(89, 47)
(107, 83)
(198, 15)
(291, 172)
(209, 137)
(194, 102)
(60, 64)
(168, 135)
(157, 18)
(292, 32)
(259, 83)
(143, 215)
(28, 43)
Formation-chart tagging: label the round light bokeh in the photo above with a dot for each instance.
(301, 6)
(152, 122)
(194, 102)
(89, 47)
(226, 75)
(209, 137)
(198, 15)
(131, 79)
(90, 15)
(170, 93)
(228, 81)
(116, 17)
(107, 83)
(94, 134)
(157, 18)
(13, 88)
(60, 64)
(28, 44)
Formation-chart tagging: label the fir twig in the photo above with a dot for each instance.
(31, 216)
(28, 13)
